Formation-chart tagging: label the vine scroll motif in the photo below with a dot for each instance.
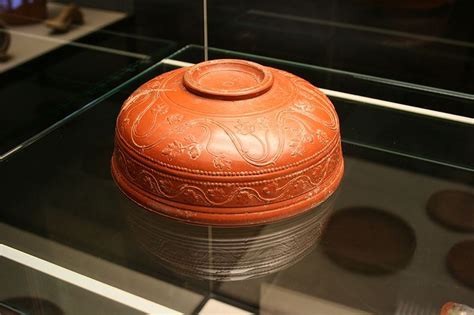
(295, 126)
(198, 193)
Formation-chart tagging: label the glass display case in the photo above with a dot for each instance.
(396, 237)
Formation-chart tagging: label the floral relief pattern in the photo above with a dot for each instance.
(322, 136)
(292, 129)
(298, 138)
(244, 127)
(174, 119)
(160, 109)
(249, 127)
(221, 162)
(166, 186)
(190, 145)
(216, 193)
(270, 189)
(263, 123)
(303, 107)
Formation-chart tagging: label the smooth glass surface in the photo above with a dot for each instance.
(387, 242)
(60, 189)
(25, 290)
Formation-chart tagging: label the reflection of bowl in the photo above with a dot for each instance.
(369, 240)
(228, 253)
(453, 209)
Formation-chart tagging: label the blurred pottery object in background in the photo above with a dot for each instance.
(460, 262)
(228, 143)
(452, 308)
(453, 209)
(4, 41)
(23, 11)
(70, 15)
(369, 241)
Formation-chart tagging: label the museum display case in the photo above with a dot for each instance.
(63, 62)
(134, 133)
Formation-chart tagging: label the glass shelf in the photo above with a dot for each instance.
(41, 92)
(398, 127)
(26, 290)
(59, 189)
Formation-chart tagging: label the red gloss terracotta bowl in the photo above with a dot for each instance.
(228, 143)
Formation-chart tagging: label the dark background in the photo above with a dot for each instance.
(427, 42)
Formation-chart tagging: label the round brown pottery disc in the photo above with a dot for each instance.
(369, 240)
(453, 209)
(460, 261)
